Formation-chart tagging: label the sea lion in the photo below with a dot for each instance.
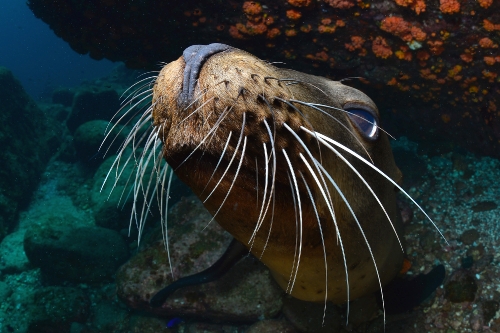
(294, 166)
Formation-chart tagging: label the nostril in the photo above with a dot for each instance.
(194, 57)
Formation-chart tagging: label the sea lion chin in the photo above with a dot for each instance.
(293, 165)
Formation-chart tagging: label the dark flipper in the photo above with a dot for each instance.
(402, 295)
(233, 254)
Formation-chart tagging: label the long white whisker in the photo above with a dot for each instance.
(334, 218)
(218, 163)
(367, 186)
(233, 182)
(322, 242)
(299, 204)
(339, 191)
(292, 190)
(324, 137)
(232, 158)
(338, 121)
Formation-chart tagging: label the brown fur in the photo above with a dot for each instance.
(237, 80)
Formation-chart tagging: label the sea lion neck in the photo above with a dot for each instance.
(194, 57)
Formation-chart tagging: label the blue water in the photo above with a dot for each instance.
(37, 57)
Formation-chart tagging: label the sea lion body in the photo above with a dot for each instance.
(234, 95)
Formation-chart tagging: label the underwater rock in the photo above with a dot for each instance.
(56, 308)
(271, 326)
(88, 139)
(484, 206)
(63, 96)
(75, 254)
(468, 237)
(433, 64)
(461, 287)
(12, 256)
(92, 103)
(28, 138)
(245, 294)
(112, 205)
(490, 309)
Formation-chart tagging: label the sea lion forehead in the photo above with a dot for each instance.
(349, 97)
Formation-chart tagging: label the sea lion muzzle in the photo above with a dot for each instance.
(294, 166)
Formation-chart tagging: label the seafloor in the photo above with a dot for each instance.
(75, 243)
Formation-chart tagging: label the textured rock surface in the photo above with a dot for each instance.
(246, 293)
(441, 54)
(12, 256)
(28, 138)
(76, 254)
(57, 308)
(91, 103)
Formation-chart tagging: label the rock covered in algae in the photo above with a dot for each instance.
(76, 254)
(28, 138)
(245, 294)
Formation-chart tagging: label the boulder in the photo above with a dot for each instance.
(75, 254)
(246, 293)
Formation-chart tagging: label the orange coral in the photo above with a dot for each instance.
(423, 55)
(299, 3)
(252, 8)
(381, 48)
(417, 5)
(467, 57)
(487, 43)
(403, 55)
(355, 44)
(273, 33)
(341, 4)
(452, 73)
(426, 74)
(251, 28)
(449, 6)
(321, 56)
(485, 3)
(402, 29)
(306, 28)
(324, 29)
(235, 33)
(436, 47)
(293, 14)
(489, 60)
(291, 33)
(490, 26)
(489, 75)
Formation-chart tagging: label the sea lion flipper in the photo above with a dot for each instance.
(234, 252)
(402, 294)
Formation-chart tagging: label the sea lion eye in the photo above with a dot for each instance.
(365, 121)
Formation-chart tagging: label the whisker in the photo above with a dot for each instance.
(313, 204)
(234, 180)
(353, 114)
(299, 204)
(212, 130)
(334, 218)
(218, 163)
(367, 186)
(339, 191)
(232, 158)
(321, 136)
(338, 121)
(292, 190)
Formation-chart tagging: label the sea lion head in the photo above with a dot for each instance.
(294, 166)
(255, 144)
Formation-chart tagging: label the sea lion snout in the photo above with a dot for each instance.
(194, 57)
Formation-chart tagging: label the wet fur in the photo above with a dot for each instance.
(251, 149)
